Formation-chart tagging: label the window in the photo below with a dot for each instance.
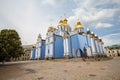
(60, 27)
(63, 28)
(48, 39)
(48, 51)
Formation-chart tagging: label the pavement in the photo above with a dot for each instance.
(62, 69)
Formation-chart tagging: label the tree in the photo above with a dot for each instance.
(10, 45)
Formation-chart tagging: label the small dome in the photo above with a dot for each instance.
(60, 22)
(39, 36)
(51, 29)
(78, 26)
(65, 23)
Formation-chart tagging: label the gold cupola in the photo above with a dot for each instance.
(78, 26)
(39, 36)
(51, 29)
(65, 23)
(60, 23)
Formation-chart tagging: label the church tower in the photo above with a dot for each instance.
(66, 45)
(38, 47)
(50, 43)
(63, 27)
(67, 29)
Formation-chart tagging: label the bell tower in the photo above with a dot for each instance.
(50, 43)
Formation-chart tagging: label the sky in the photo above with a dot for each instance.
(33, 17)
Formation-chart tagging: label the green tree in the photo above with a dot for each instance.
(10, 45)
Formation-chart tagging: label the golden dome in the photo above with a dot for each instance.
(60, 22)
(79, 25)
(51, 29)
(39, 36)
(65, 23)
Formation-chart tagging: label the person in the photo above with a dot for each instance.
(85, 52)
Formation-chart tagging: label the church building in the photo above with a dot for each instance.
(63, 42)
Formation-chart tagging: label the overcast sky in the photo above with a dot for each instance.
(31, 17)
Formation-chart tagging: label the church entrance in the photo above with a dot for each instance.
(78, 53)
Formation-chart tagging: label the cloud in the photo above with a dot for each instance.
(111, 39)
(103, 25)
(50, 2)
(95, 3)
(90, 14)
(31, 17)
(93, 14)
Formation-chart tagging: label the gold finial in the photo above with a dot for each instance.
(33, 45)
(39, 36)
(65, 19)
(60, 23)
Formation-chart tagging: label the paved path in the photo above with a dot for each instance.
(71, 69)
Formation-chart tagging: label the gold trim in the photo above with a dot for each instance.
(51, 42)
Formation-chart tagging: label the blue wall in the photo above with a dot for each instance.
(69, 47)
(75, 44)
(89, 41)
(78, 43)
(42, 50)
(58, 47)
(33, 53)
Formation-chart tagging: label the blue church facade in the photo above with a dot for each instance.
(62, 42)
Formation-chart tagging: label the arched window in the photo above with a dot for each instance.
(63, 28)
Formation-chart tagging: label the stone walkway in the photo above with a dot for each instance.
(60, 69)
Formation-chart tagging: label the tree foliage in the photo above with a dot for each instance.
(10, 44)
(117, 46)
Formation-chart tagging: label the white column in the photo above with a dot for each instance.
(36, 53)
(51, 50)
(89, 52)
(67, 49)
(101, 48)
(64, 47)
(51, 47)
(46, 48)
(60, 32)
(39, 50)
(31, 55)
(97, 48)
(38, 56)
(93, 46)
